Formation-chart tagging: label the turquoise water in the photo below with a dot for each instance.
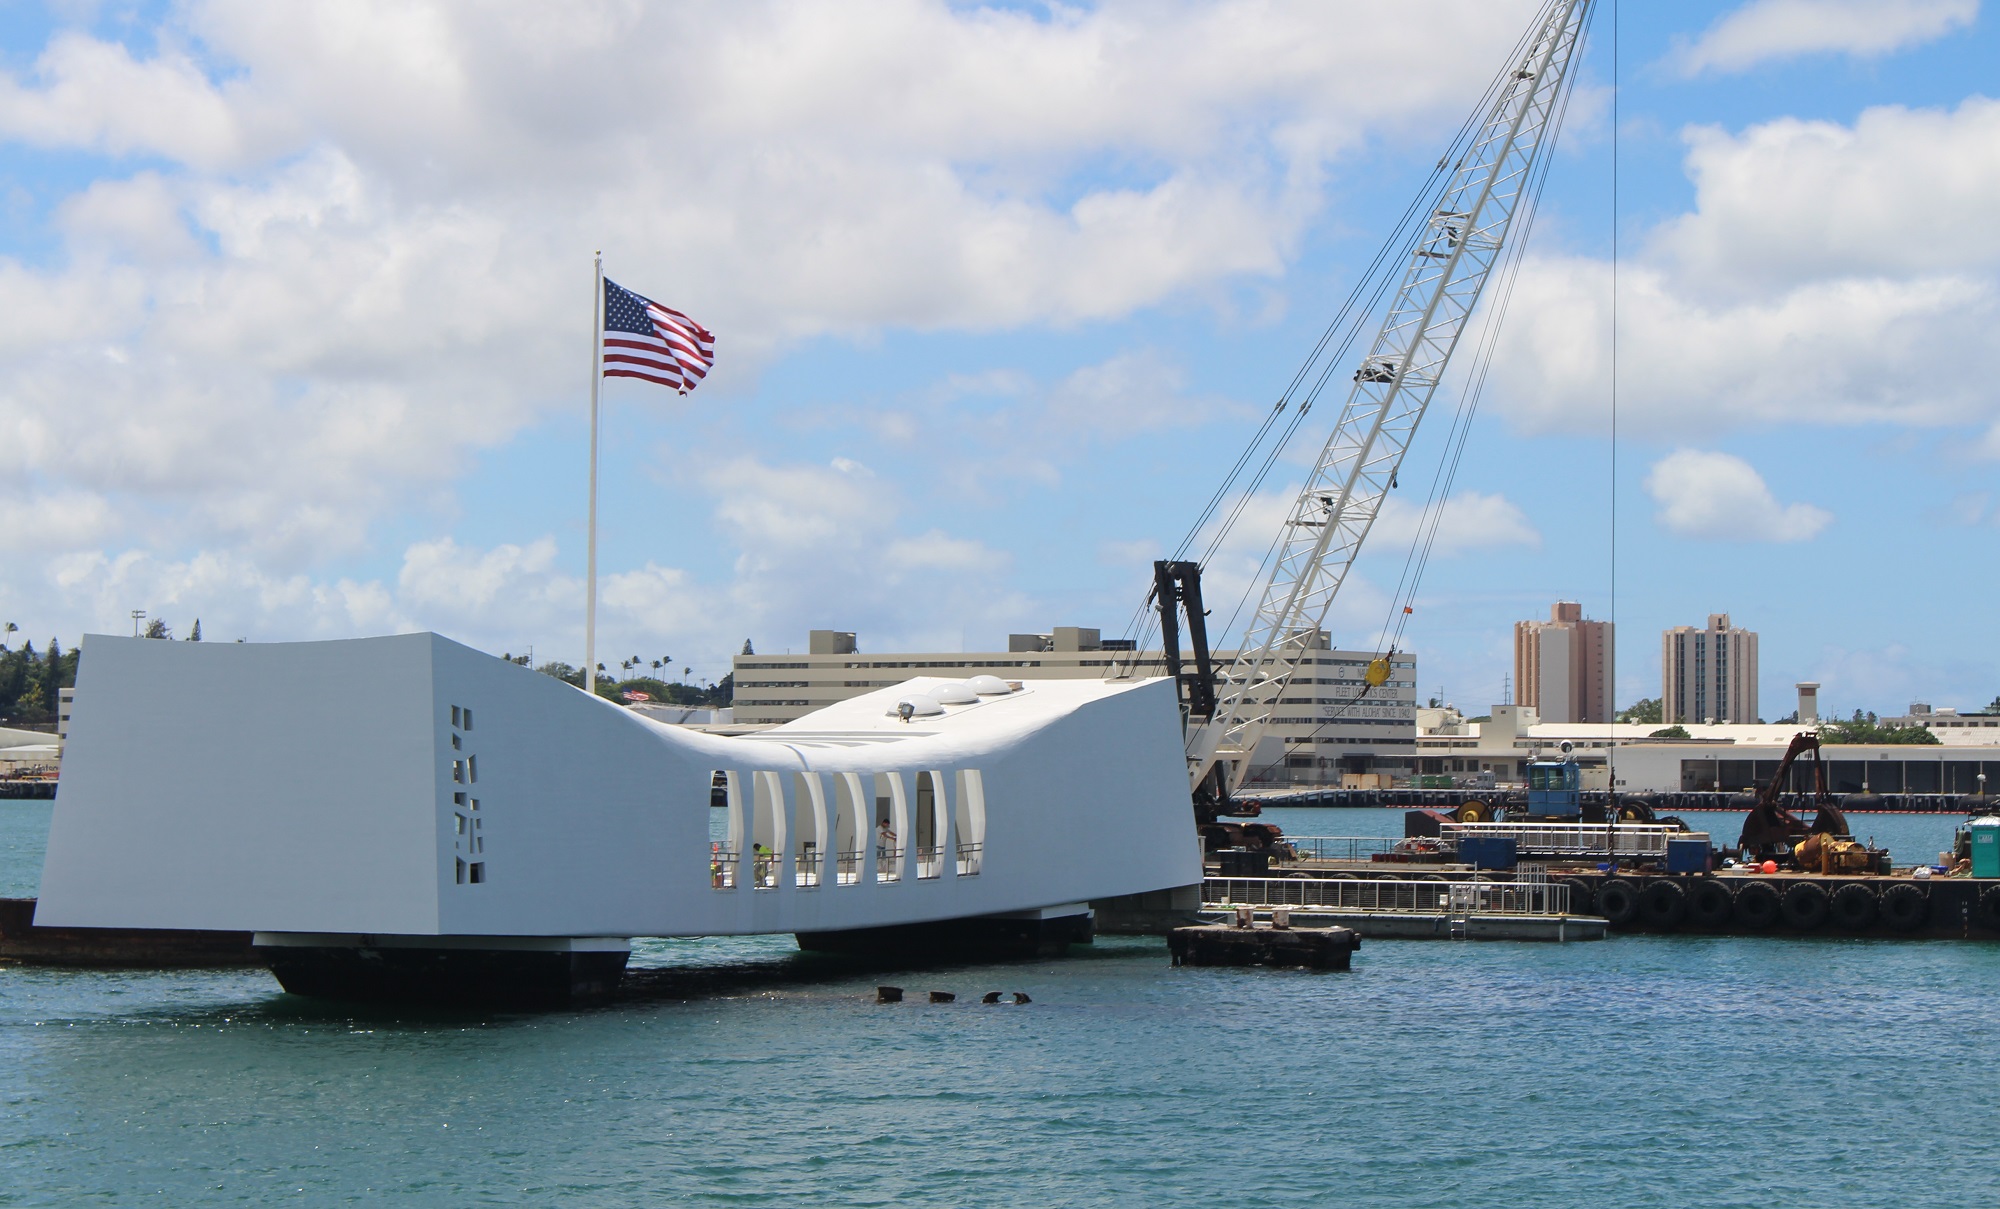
(1641, 1071)
(24, 836)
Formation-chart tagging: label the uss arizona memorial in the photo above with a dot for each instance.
(394, 826)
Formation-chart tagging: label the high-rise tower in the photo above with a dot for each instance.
(1709, 673)
(1563, 666)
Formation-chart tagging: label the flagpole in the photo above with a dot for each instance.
(596, 375)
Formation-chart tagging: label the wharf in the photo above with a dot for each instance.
(1742, 903)
(1439, 925)
(1726, 903)
(1661, 803)
(27, 789)
(1388, 907)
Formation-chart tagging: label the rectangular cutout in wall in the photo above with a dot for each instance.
(468, 717)
(475, 873)
(454, 715)
(461, 870)
(472, 769)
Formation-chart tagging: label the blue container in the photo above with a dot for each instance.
(1487, 851)
(1688, 856)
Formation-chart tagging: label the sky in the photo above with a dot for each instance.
(298, 306)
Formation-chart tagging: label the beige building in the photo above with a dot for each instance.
(1563, 666)
(1725, 757)
(1323, 726)
(1710, 674)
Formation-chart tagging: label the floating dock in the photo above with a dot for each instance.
(1392, 908)
(1793, 904)
(1245, 943)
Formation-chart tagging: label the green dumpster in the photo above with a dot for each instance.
(1985, 847)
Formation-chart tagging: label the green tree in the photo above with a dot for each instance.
(52, 675)
(194, 635)
(1866, 728)
(563, 672)
(1676, 731)
(19, 679)
(1645, 709)
(157, 628)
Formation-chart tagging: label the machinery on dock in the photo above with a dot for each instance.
(1773, 833)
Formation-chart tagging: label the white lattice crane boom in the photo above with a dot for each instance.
(1392, 388)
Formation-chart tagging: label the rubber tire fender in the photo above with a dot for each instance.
(1804, 906)
(1709, 905)
(1986, 912)
(1853, 908)
(1904, 907)
(1580, 897)
(1757, 906)
(1663, 905)
(1618, 902)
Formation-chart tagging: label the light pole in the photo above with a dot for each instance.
(8, 637)
(138, 615)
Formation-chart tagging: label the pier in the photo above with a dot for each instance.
(1433, 907)
(1663, 803)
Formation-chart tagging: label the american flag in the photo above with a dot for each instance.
(643, 339)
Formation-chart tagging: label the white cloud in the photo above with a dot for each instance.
(1135, 391)
(62, 521)
(1826, 275)
(1471, 521)
(1901, 192)
(1767, 30)
(1721, 496)
(350, 254)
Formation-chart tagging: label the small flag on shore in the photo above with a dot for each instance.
(643, 339)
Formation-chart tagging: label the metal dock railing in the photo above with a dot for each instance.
(1295, 848)
(1524, 897)
(1607, 840)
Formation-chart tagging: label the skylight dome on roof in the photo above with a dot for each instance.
(922, 705)
(954, 693)
(988, 686)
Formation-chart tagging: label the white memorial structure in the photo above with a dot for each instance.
(405, 816)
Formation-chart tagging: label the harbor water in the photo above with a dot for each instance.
(1640, 1070)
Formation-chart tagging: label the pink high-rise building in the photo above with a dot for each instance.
(1563, 666)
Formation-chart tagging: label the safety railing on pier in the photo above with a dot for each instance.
(1572, 839)
(808, 867)
(930, 862)
(847, 867)
(968, 858)
(888, 863)
(1296, 848)
(1533, 897)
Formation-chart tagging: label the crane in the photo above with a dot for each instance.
(1465, 232)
